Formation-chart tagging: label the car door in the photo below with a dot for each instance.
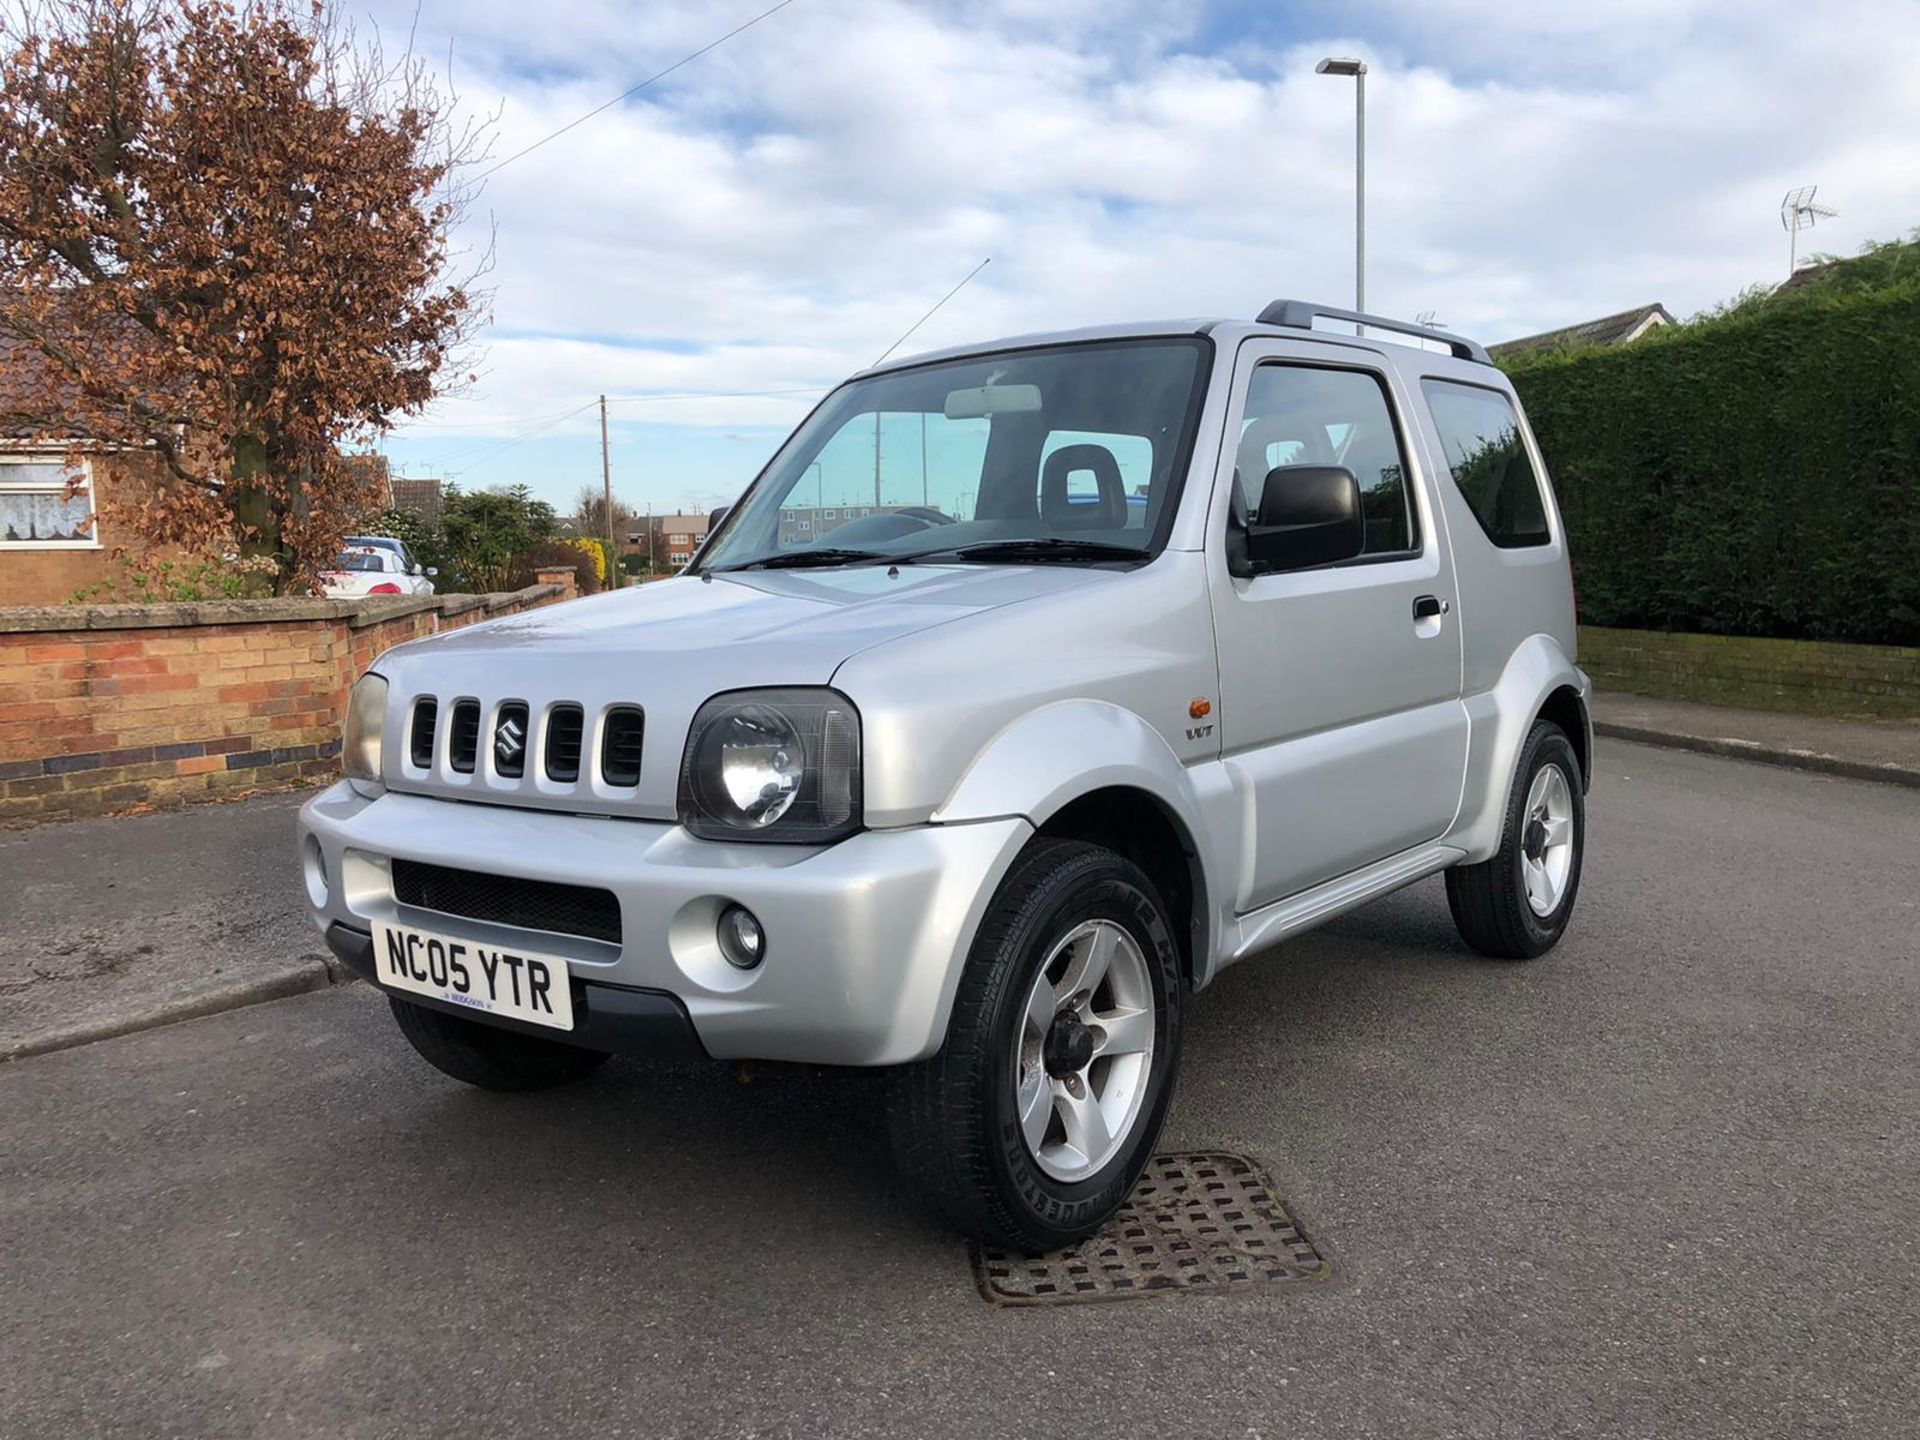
(1341, 722)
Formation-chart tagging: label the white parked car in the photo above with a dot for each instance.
(367, 570)
(1183, 639)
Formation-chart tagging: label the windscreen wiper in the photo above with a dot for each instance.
(802, 559)
(1034, 547)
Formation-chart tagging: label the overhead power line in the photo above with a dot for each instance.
(715, 395)
(629, 94)
(486, 455)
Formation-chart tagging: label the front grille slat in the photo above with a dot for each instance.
(566, 724)
(620, 746)
(426, 716)
(559, 909)
(463, 740)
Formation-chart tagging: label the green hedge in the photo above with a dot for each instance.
(1753, 473)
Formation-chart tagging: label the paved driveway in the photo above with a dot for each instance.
(1660, 1184)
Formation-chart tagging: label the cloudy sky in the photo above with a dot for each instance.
(775, 213)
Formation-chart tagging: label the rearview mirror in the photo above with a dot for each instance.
(987, 400)
(1309, 515)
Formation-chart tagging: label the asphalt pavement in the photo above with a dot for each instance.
(1665, 1182)
(116, 923)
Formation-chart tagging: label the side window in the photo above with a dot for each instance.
(1481, 437)
(1303, 415)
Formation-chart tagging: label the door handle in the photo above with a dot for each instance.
(1428, 607)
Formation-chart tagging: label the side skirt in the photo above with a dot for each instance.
(1258, 929)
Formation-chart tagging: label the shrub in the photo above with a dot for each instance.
(1754, 473)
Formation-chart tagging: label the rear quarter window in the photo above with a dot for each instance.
(1480, 437)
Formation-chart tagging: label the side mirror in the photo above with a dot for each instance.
(1309, 515)
(715, 517)
(433, 572)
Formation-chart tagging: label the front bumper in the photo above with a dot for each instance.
(865, 939)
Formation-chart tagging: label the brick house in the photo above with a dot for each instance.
(54, 537)
(681, 536)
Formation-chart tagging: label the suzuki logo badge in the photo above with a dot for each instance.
(509, 741)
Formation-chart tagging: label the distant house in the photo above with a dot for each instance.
(55, 491)
(372, 470)
(1621, 329)
(680, 536)
(422, 497)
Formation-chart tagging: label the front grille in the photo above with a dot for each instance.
(426, 715)
(620, 749)
(509, 900)
(463, 744)
(564, 729)
(451, 738)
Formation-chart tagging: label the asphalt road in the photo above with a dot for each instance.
(1663, 1183)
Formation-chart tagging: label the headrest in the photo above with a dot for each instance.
(1106, 512)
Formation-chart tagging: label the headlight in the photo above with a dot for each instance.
(773, 765)
(365, 729)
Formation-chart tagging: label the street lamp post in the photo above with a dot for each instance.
(1335, 65)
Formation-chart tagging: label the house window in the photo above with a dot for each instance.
(40, 509)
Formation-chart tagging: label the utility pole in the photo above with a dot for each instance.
(876, 459)
(1357, 69)
(606, 486)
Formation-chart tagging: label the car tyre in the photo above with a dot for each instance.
(1516, 905)
(1032, 1124)
(488, 1056)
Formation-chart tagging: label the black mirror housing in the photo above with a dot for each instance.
(1309, 515)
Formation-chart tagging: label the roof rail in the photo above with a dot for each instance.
(1300, 315)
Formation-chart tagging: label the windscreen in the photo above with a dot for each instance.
(1072, 443)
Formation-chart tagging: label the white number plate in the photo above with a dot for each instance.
(511, 983)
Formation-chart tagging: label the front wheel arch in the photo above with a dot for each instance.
(1137, 824)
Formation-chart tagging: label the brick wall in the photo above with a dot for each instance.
(1805, 676)
(111, 706)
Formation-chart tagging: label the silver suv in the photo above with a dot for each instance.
(1029, 686)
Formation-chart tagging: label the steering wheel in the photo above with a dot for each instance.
(890, 525)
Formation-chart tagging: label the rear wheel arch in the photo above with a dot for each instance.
(1565, 708)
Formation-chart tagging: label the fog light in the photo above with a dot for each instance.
(313, 864)
(742, 940)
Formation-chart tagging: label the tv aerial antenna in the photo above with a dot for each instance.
(1799, 212)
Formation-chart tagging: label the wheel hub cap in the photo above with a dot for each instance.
(1069, 1046)
(1546, 842)
(1535, 843)
(1085, 1050)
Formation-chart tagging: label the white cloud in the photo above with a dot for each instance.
(778, 211)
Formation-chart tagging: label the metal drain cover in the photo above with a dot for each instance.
(1204, 1222)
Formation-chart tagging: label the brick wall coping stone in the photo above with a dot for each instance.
(357, 612)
